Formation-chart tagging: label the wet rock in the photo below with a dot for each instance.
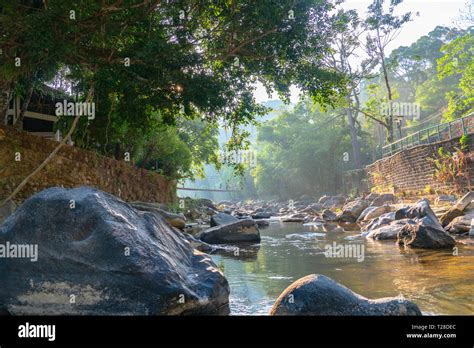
(445, 199)
(349, 226)
(193, 214)
(245, 230)
(425, 234)
(222, 219)
(262, 223)
(175, 220)
(206, 203)
(261, 215)
(324, 199)
(113, 257)
(370, 197)
(373, 212)
(419, 210)
(199, 244)
(329, 215)
(294, 218)
(6, 210)
(385, 198)
(457, 209)
(382, 220)
(352, 210)
(319, 295)
(460, 225)
(389, 231)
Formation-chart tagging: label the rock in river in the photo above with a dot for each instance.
(424, 234)
(222, 219)
(114, 260)
(389, 231)
(244, 230)
(457, 209)
(316, 294)
(419, 210)
(352, 210)
(373, 212)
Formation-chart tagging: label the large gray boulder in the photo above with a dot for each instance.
(389, 231)
(420, 210)
(244, 230)
(382, 220)
(424, 234)
(328, 215)
(457, 209)
(373, 212)
(222, 219)
(460, 225)
(352, 210)
(97, 255)
(316, 294)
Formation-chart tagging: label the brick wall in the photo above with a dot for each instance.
(410, 171)
(73, 167)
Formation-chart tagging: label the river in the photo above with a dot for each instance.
(437, 281)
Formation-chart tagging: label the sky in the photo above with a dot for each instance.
(431, 14)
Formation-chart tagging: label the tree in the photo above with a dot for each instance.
(385, 26)
(302, 152)
(186, 60)
(458, 60)
(347, 47)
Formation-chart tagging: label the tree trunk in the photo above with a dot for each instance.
(24, 106)
(354, 140)
(6, 93)
(389, 89)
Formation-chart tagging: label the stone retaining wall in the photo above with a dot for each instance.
(21, 153)
(411, 171)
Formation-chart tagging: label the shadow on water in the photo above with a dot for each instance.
(241, 251)
(438, 281)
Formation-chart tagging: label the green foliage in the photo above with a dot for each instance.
(464, 141)
(188, 60)
(301, 152)
(450, 170)
(458, 60)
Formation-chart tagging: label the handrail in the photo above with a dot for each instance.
(444, 131)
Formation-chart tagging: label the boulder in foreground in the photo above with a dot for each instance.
(109, 257)
(316, 294)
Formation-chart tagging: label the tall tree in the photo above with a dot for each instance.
(384, 26)
(343, 58)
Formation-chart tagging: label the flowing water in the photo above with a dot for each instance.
(437, 281)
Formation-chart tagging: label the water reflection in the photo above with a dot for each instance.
(438, 281)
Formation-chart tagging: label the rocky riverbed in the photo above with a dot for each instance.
(100, 251)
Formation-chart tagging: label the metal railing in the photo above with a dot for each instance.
(441, 132)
